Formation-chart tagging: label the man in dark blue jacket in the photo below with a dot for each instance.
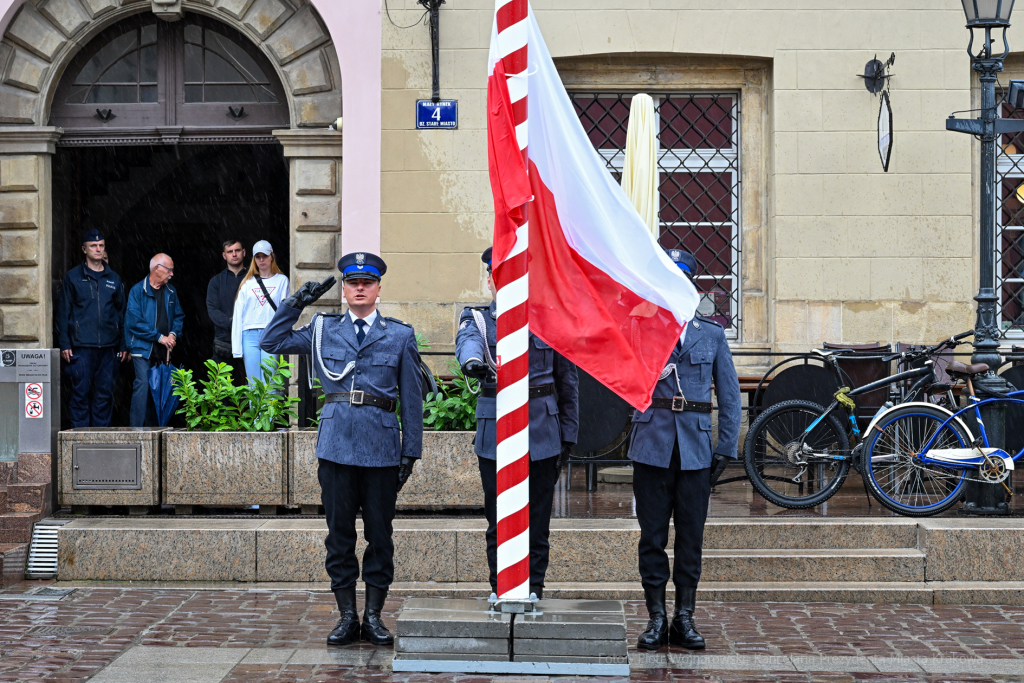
(90, 324)
(152, 328)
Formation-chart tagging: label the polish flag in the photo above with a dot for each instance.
(602, 291)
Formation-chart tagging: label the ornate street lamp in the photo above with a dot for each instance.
(987, 15)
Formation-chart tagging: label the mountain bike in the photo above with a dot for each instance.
(917, 459)
(798, 453)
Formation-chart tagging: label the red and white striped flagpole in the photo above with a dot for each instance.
(510, 278)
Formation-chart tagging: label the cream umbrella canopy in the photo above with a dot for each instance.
(640, 169)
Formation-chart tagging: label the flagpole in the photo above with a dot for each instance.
(511, 281)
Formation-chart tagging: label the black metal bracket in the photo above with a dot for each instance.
(236, 114)
(977, 126)
(105, 115)
(876, 73)
(434, 8)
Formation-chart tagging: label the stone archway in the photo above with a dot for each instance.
(41, 40)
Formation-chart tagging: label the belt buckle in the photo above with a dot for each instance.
(678, 404)
(356, 398)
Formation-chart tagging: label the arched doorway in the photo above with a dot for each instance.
(167, 147)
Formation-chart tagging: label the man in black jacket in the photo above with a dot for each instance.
(90, 331)
(220, 304)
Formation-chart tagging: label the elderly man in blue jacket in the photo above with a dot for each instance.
(675, 464)
(554, 425)
(152, 328)
(366, 364)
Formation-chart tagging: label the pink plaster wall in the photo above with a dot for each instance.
(356, 30)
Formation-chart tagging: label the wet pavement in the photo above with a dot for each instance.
(112, 635)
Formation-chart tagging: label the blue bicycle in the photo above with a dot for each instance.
(918, 457)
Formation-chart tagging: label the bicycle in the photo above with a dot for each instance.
(918, 460)
(811, 440)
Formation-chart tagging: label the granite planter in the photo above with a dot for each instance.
(225, 468)
(115, 466)
(446, 477)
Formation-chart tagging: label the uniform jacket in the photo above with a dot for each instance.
(140, 321)
(553, 419)
(91, 309)
(702, 358)
(387, 364)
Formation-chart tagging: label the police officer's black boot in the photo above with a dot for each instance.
(537, 590)
(684, 631)
(656, 634)
(374, 629)
(347, 630)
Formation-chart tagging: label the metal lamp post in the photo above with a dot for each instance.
(985, 16)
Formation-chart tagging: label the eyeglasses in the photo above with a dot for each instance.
(169, 270)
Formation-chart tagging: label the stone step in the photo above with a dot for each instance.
(12, 563)
(3, 500)
(16, 527)
(31, 497)
(33, 468)
(758, 564)
(810, 532)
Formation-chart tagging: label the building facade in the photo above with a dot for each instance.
(769, 163)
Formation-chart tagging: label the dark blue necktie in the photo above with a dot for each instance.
(361, 333)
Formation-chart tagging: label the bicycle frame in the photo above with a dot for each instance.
(976, 406)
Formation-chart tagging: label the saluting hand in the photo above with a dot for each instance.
(308, 293)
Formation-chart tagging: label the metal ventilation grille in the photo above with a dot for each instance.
(42, 551)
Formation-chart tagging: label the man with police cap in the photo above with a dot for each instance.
(675, 466)
(367, 365)
(554, 424)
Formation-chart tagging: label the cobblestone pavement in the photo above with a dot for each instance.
(278, 636)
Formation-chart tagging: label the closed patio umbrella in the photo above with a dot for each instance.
(161, 386)
(640, 169)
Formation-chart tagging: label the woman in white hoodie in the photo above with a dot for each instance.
(259, 295)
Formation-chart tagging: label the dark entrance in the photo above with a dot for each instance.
(184, 200)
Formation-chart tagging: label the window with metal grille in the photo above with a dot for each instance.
(1009, 246)
(699, 181)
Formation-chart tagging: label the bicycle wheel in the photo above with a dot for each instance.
(896, 478)
(790, 469)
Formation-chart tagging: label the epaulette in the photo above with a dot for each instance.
(709, 321)
(478, 308)
(396, 320)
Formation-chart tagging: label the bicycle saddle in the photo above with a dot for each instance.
(955, 367)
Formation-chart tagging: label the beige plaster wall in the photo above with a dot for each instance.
(850, 253)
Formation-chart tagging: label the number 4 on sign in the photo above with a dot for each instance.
(437, 114)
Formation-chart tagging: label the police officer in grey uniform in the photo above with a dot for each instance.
(554, 424)
(366, 363)
(675, 465)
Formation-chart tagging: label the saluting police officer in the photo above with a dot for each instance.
(675, 466)
(365, 363)
(554, 424)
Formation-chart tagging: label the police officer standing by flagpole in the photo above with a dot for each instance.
(554, 424)
(675, 467)
(366, 364)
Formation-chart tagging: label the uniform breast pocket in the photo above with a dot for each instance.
(385, 368)
(700, 362)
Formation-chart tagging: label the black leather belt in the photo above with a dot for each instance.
(535, 392)
(361, 398)
(679, 404)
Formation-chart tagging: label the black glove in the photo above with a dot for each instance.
(308, 293)
(405, 471)
(718, 463)
(475, 368)
(563, 457)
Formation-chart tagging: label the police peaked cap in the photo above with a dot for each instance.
(684, 259)
(486, 256)
(362, 264)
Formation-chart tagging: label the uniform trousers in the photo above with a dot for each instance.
(93, 372)
(543, 476)
(345, 490)
(663, 494)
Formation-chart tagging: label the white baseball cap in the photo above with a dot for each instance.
(262, 247)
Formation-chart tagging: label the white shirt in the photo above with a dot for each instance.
(252, 311)
(368, 320)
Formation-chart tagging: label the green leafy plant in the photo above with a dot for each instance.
(216, 405)
(453, 407)
(318, 389)
(421, 342)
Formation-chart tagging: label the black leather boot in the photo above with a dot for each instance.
(656, 634)
(683, 631)
(537, 590)
(347, 630)
(374, 629)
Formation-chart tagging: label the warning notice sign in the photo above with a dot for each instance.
(34, 391)
(33, 408)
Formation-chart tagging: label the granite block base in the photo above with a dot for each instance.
(225, 468)
(148, 441)
(974, 549)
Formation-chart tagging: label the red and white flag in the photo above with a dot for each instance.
(602, 291)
